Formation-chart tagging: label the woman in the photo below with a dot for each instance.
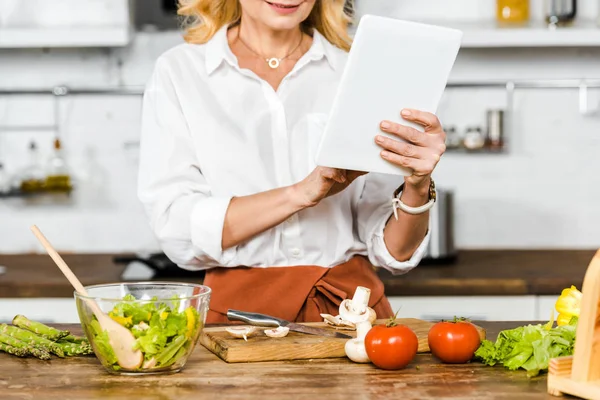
(231, 123)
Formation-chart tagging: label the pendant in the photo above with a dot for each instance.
(273, 62)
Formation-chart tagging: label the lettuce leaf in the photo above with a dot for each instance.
(528, 347)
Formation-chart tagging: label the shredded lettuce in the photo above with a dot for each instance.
(529, 347)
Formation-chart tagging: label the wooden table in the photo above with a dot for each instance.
(206, 376)
(475, 273)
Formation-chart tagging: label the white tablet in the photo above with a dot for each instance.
(392, 65)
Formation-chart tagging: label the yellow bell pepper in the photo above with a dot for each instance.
(191, 321)
(568, 305)
(164, 315)
(125, 321)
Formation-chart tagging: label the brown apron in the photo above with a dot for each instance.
(298, 293)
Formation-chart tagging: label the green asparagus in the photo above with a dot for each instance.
(32, 339)
(74, 349)
(15, 351)
(31, 350)
(73, 339)
(38, 328)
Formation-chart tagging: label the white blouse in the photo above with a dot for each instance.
(211, 131)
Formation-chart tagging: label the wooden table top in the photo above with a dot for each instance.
(475, 273)
(206, 376)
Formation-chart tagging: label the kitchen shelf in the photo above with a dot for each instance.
(489, 35)
(101, 36)
(462, 150)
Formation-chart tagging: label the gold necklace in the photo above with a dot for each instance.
(273, 62)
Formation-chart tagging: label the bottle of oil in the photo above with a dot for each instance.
(512, 12)
(33, 178)
(58, 179)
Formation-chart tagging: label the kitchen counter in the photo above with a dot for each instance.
(475, 273)
(206, 376)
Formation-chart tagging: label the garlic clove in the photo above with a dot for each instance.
(241, 332)
(279, 332)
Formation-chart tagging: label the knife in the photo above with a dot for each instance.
(268, 321)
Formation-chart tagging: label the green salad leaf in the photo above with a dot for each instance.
(101, 343)
(529, 347)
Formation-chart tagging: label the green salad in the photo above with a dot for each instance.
(529, 347)
(163, 334)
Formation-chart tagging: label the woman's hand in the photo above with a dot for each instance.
(422, 150)
(321, 183)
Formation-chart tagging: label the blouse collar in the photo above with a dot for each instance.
(218, 50)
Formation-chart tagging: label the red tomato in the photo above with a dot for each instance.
(453, 342)
(391, 347)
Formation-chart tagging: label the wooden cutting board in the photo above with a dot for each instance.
(295, 346)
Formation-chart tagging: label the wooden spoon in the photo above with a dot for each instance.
(120, 338)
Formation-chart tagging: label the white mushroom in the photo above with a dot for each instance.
(338, 322)
(241, 332)
(357, 309)
(355, 348)
(279, 332)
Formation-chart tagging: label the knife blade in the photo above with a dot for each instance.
(311, 330)
(263, 320)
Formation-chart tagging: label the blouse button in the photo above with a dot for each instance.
(295, 252)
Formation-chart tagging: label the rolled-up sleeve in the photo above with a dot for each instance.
(184, 215)
(373, 210)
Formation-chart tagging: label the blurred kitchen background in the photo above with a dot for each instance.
(522, 112)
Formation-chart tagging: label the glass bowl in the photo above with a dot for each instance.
(165, 318)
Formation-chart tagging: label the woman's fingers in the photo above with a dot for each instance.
(401, 148)
(422, 118)
(405, 132)
(333, 174)
(417, 165)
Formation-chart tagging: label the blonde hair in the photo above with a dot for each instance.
(203, 18)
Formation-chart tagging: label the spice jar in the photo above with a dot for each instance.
(512, 11)
(474, 139)
(453, 140)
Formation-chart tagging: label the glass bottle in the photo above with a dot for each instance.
(33, 177)
(58, 178)
(512, 12)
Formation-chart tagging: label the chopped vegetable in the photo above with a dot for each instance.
(568, 305)
(529, 347)
(163, 333)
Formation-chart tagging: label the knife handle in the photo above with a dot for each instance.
(253, 318)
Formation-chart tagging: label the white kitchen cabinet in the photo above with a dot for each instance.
(545, 305)
(483, 308)
(61, 310)
(65, 23)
